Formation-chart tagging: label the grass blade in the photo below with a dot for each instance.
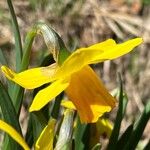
(120, 114)
(10, 116)
(125, 137)
(81, 135)
(18, 45)
(17, 91)
(138, 128)
(2, 58)
(97, 147)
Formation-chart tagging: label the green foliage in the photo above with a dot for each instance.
(132, 135)
(146, 2)
(120, 114)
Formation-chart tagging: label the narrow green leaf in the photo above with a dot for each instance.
(18, 45)
(81, 135)
(10, 116)
(120, 114)
(125, 137)
(2, 58)
(29, 135)
(37, 127)
(97, 147)
(146, 2)
(56, 107)
(138, 128)
(17, 91)
(27, 48)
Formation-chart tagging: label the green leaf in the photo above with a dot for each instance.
(56, 107)
(120, 114)
(138, 128)
(29, 135)
(97, 147)
(10, 116)
(81, 135)
(2, 58)
(34, 129)
(17, 91)
(27, 48)
(37, 122)
(18, 45)
(146, 2)
(125, 137)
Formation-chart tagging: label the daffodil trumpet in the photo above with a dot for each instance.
(76, 78)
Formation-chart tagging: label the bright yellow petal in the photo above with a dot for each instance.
(31, 78)
(14, 134)
(102, 45)
(47, 94)
(45, 140)
(118, 50)
(89, 95)
(68, 104)
(104, 127)
(79, 58)
(106, 50)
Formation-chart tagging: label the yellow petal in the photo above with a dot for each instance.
(49, 93)
(68, 104)
(14, 134)
(80, 57)
(31, 78)
(98, 53)
(103, 45)
(118, 50)
(45, 140)
(104, 127)
(89, 95)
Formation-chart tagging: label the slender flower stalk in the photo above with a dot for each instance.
(76, 78)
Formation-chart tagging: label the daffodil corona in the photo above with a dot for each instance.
(79, 81)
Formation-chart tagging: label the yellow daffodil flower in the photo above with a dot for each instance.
(103, 127)
(44, 142)
(79, 81)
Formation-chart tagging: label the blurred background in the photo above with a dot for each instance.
(82, 23)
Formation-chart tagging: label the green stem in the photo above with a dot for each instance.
(18, 45)
(17, 93)
(56, 107)
(54, 44)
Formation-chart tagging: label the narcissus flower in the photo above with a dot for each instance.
(44, 142)
(79, 81)
(103, 125)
